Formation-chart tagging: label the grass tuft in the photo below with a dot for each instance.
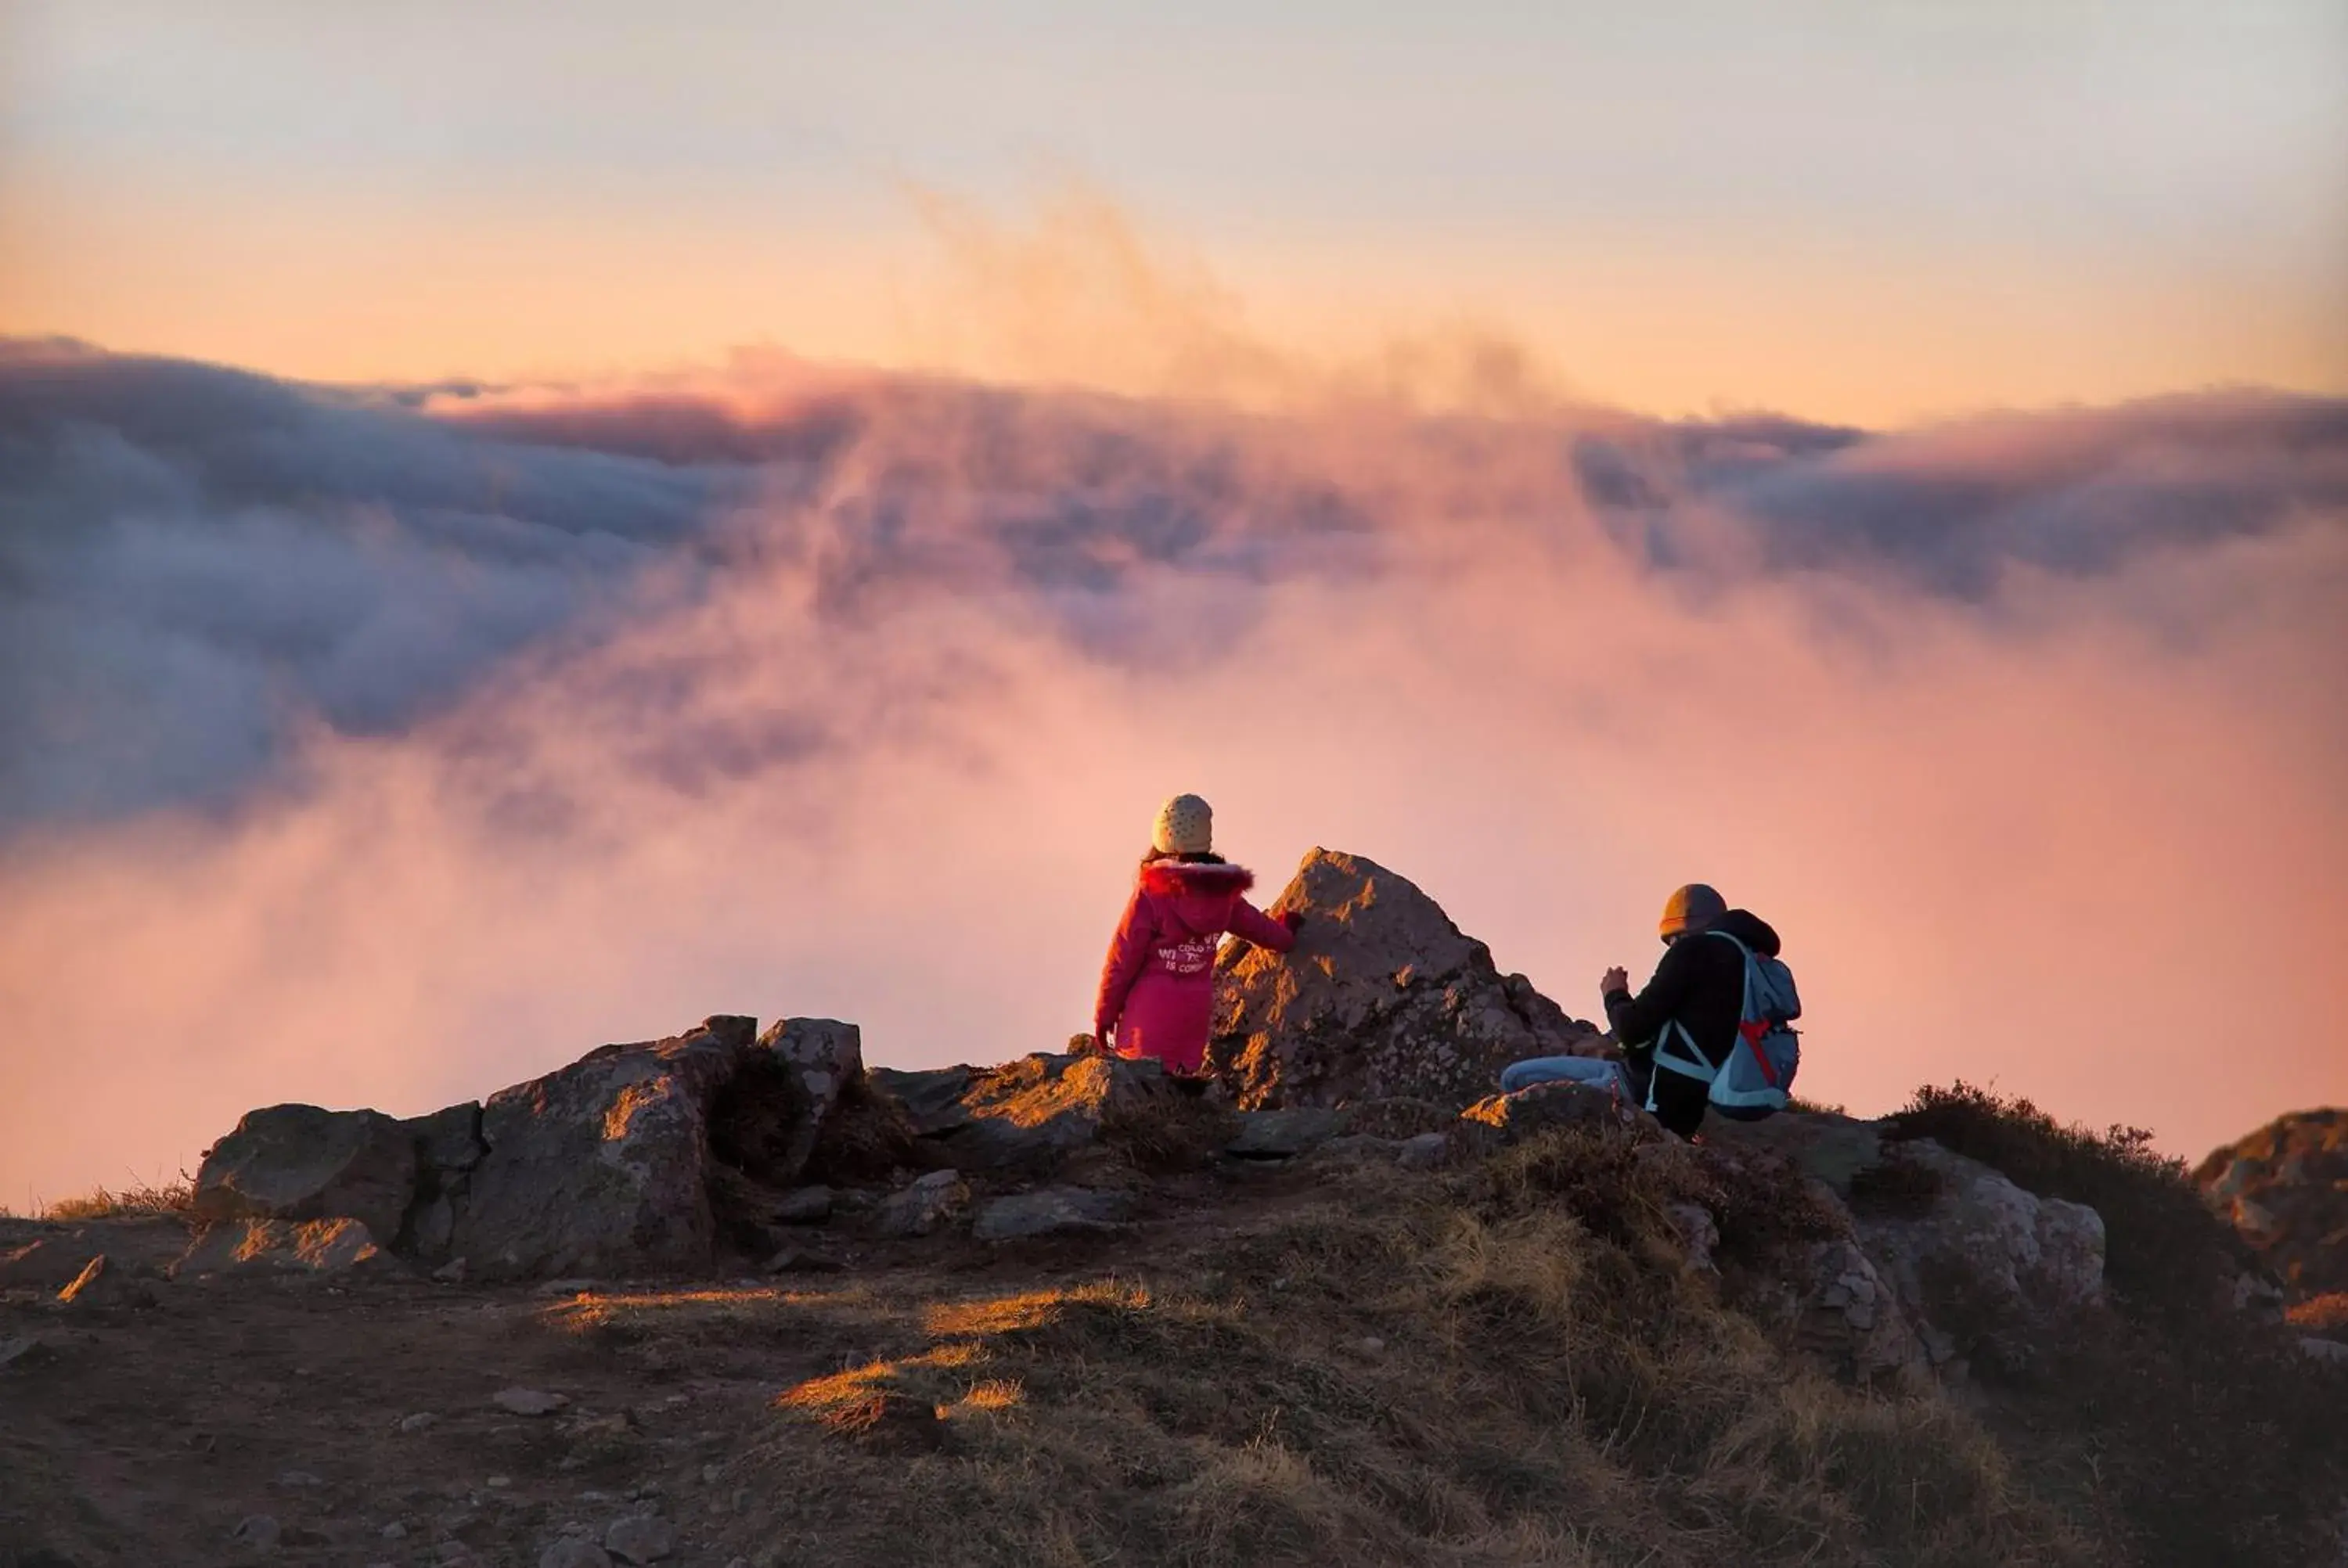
(140, 1200)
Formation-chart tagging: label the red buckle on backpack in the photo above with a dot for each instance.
(1752, 1030)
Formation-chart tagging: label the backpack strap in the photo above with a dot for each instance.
(1749, 1028)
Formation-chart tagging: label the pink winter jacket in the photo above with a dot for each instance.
(1158, 987)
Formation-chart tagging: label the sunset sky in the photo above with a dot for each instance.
(1855, 210)
(525, 526)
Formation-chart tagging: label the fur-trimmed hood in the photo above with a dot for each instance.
(1178, 879)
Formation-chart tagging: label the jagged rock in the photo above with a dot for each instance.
(1968, 1263)
(2005, 1259)
(922, 1205)
(304, 1162)
(932, 1099)
(2328, 1350)
(448, 1147)
(826, 1055)
(600, 1167)
(1033, 1112)
(2285, 1189)
(1847, 1315)
(1284, 1134)
(248, 1247)
(1050, 1210)
(1382, 996)
(1545, 1106)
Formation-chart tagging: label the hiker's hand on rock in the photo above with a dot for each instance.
(1292, 918)
(1616, 979)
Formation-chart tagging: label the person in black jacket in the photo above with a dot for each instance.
(1699, 987)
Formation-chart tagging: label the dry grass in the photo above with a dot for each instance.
(141, 1200)
(2326, 1315)
(1504, 1367)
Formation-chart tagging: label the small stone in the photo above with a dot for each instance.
(1424, 1151)
(711, 1474)
(529, 1402)
(499, 1482)
(573, 1551)
(1369, 1346)
(919, 1209)
(2322, 1349)
(451, 1272)
(1051, 1211)
(258, 1533)
(395, 1530)
(640, 1538)
(417, 1422)
(298, 1479)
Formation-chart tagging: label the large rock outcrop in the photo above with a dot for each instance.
(636, 1157)
(1955, 1255)
(603, 1165)
(1383, 996)
(2285, 1188)
(304, 1162)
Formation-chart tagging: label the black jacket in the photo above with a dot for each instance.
(1700, 982)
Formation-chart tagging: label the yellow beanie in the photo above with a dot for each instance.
(1186, 825)
(1695, 905)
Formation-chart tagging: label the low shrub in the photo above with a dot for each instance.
(2208, 1436)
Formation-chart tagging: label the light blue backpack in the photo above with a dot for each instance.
(1757, 1079)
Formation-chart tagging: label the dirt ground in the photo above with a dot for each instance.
(358, 1414)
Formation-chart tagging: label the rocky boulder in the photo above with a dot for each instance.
(1508, 1118)
(281, 1246)
(1026, 1115)
(1383, 996)
(1967, 1262)
(2285, 1189)
(303, 1163)
(600, 1168)
(1051, 1211)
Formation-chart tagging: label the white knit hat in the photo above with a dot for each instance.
(1186, 825)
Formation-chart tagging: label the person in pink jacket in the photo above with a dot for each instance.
(1158, 987)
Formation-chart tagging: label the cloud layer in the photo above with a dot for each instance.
(381, 747)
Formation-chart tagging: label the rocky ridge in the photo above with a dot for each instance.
(722, 1147)
(2285, 1188)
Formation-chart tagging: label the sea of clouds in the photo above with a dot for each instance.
(387, 745)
